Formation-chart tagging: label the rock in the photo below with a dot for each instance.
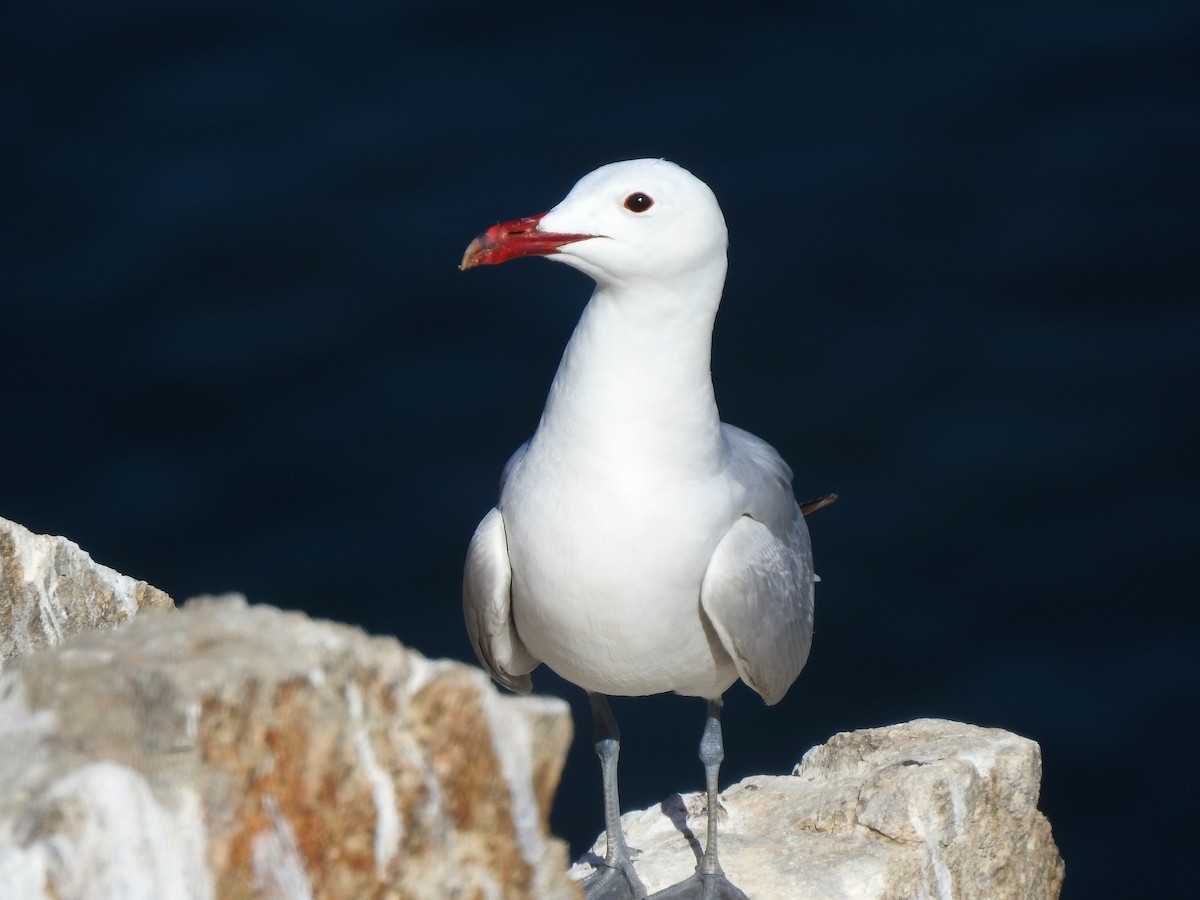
(928, 809)
(49, 589)
(230, 750)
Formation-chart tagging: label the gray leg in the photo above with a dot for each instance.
(709, 882)
(617, 880)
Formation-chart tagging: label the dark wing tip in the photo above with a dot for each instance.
(808, 507)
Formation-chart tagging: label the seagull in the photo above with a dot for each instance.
(640, 545)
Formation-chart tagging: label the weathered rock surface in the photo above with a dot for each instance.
(928, 809)
(49, 589)
(229, 750)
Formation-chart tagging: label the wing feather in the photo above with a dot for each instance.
(758, 588)
(487, 607)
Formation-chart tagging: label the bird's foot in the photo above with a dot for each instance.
(613, 883)
(701, 887)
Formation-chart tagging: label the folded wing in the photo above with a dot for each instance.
(758, 588)
(487, 607)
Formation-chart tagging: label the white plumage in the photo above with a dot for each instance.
(640, 545)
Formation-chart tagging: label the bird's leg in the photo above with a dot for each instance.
(617, 880)
(712, 754)
(709, 882)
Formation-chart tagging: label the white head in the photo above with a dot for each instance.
(634, 221)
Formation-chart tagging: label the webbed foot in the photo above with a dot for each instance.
(613, 883)
(701, 887)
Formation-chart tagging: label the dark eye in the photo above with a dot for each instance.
(638, 202)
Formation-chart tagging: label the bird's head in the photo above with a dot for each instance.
(624, 222)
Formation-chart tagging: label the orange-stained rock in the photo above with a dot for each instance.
(231, 750)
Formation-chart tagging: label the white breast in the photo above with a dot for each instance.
(606, 587)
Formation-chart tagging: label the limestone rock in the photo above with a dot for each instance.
(230, 750)
(239, 751)
(49, 588)
(928, 809)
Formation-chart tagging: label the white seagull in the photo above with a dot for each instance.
(640, 545)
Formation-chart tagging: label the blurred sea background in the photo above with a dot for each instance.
(962, 294)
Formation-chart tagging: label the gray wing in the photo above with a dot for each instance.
(758, 588)
(487, 600)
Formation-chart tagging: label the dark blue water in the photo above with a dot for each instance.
(963, 295)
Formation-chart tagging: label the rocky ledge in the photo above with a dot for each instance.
(230, 750)
(929, 809)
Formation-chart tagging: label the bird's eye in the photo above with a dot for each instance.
(638, 202)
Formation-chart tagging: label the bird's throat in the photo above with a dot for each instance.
(636, 380)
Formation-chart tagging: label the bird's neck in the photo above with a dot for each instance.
(635, 379)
